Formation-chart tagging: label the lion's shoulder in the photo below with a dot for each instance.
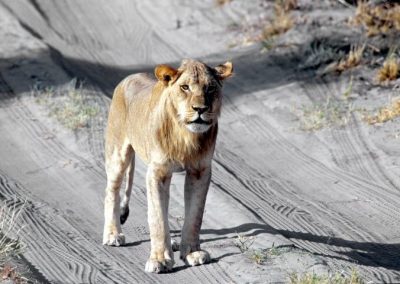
(136, 84)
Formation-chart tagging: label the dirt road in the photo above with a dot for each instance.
(330, 197)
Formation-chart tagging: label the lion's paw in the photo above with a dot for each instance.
(156, 266)
(115, 240)
(197, 258)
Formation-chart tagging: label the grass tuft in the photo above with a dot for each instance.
(74, 112)
(282, 20)
(331, 113)
(353, 59)
(8, 247)
(243, 242)
(71, 108)
(385, 114)
(258, 256)
(389, 71)
(312, 278)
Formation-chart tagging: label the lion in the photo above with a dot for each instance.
(171, 122)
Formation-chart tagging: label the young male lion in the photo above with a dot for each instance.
(171, 123)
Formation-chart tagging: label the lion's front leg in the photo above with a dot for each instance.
(196, 188)
(161, 257)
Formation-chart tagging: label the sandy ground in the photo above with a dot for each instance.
(328, 198)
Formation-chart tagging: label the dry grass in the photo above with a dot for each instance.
(311, 278)
(282, 20)
(74, 113)
(330, 114)
(243, 242)
(8, 247)
(352, 60)
(389, 71)
(385, 114)
(71, 107)
(381, 19)
(258, 256)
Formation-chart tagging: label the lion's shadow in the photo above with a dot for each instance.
(373, 254)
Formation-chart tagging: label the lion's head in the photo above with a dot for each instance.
(195, 92)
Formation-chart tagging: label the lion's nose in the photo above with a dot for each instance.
(200, 109)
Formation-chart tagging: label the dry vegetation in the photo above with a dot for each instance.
(9, 248)
(312, 278)
(380, 19)
(258, 256)
(353, 59)
(243, 243)
(385, 113)
(71, 107)
(389, 71)
(331, 113)
(282, 20)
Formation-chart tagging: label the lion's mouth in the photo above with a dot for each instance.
(199, 121)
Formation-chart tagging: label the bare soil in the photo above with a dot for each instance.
(325, 199)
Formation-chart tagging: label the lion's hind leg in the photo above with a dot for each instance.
(117, 162)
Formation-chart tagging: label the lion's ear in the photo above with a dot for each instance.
(165, 73)
(224, 70)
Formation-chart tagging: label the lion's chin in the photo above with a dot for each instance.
(198, 127)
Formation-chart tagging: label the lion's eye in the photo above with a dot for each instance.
(184, 88)
(211, 89)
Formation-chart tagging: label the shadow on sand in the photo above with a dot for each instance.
(363, 253)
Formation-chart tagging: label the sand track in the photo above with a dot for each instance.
(332, 193)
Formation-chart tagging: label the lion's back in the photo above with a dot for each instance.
(137, 86)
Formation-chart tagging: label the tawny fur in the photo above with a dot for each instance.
(171, 122)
